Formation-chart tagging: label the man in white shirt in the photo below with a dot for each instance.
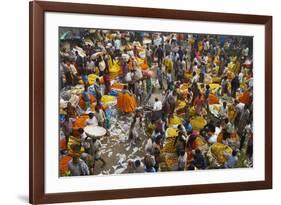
(157, 109)
(157, 105)
(245, 52)
(92, 120)
(251, 82)
(238, 106)
(206, 45)
(71, 68)
(194, 78)
(91, 67)
(229, 127)
(182, 161)
(240, 77)
(183, 64)
(212, 138)
(96, 152)
(117, 44)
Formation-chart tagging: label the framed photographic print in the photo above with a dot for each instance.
(138, 102)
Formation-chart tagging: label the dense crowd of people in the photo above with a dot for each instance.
(188, 99)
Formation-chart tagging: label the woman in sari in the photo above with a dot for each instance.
(198, 103)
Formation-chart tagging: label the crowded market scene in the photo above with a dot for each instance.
(149, 101)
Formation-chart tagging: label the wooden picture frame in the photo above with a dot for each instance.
(37, 10)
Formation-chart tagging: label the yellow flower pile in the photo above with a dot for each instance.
(216, 79)
(171, 132)
(92, 78)
(171, 162)
(140, 60)
(219, 150)
(108, 99)
(180, 104)
(174, 120)
(192, 111)
(187, 76)
(169, 146)
(198, 122)
(214, 87)
(114, 70)
(231, 66)
(183, 88)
